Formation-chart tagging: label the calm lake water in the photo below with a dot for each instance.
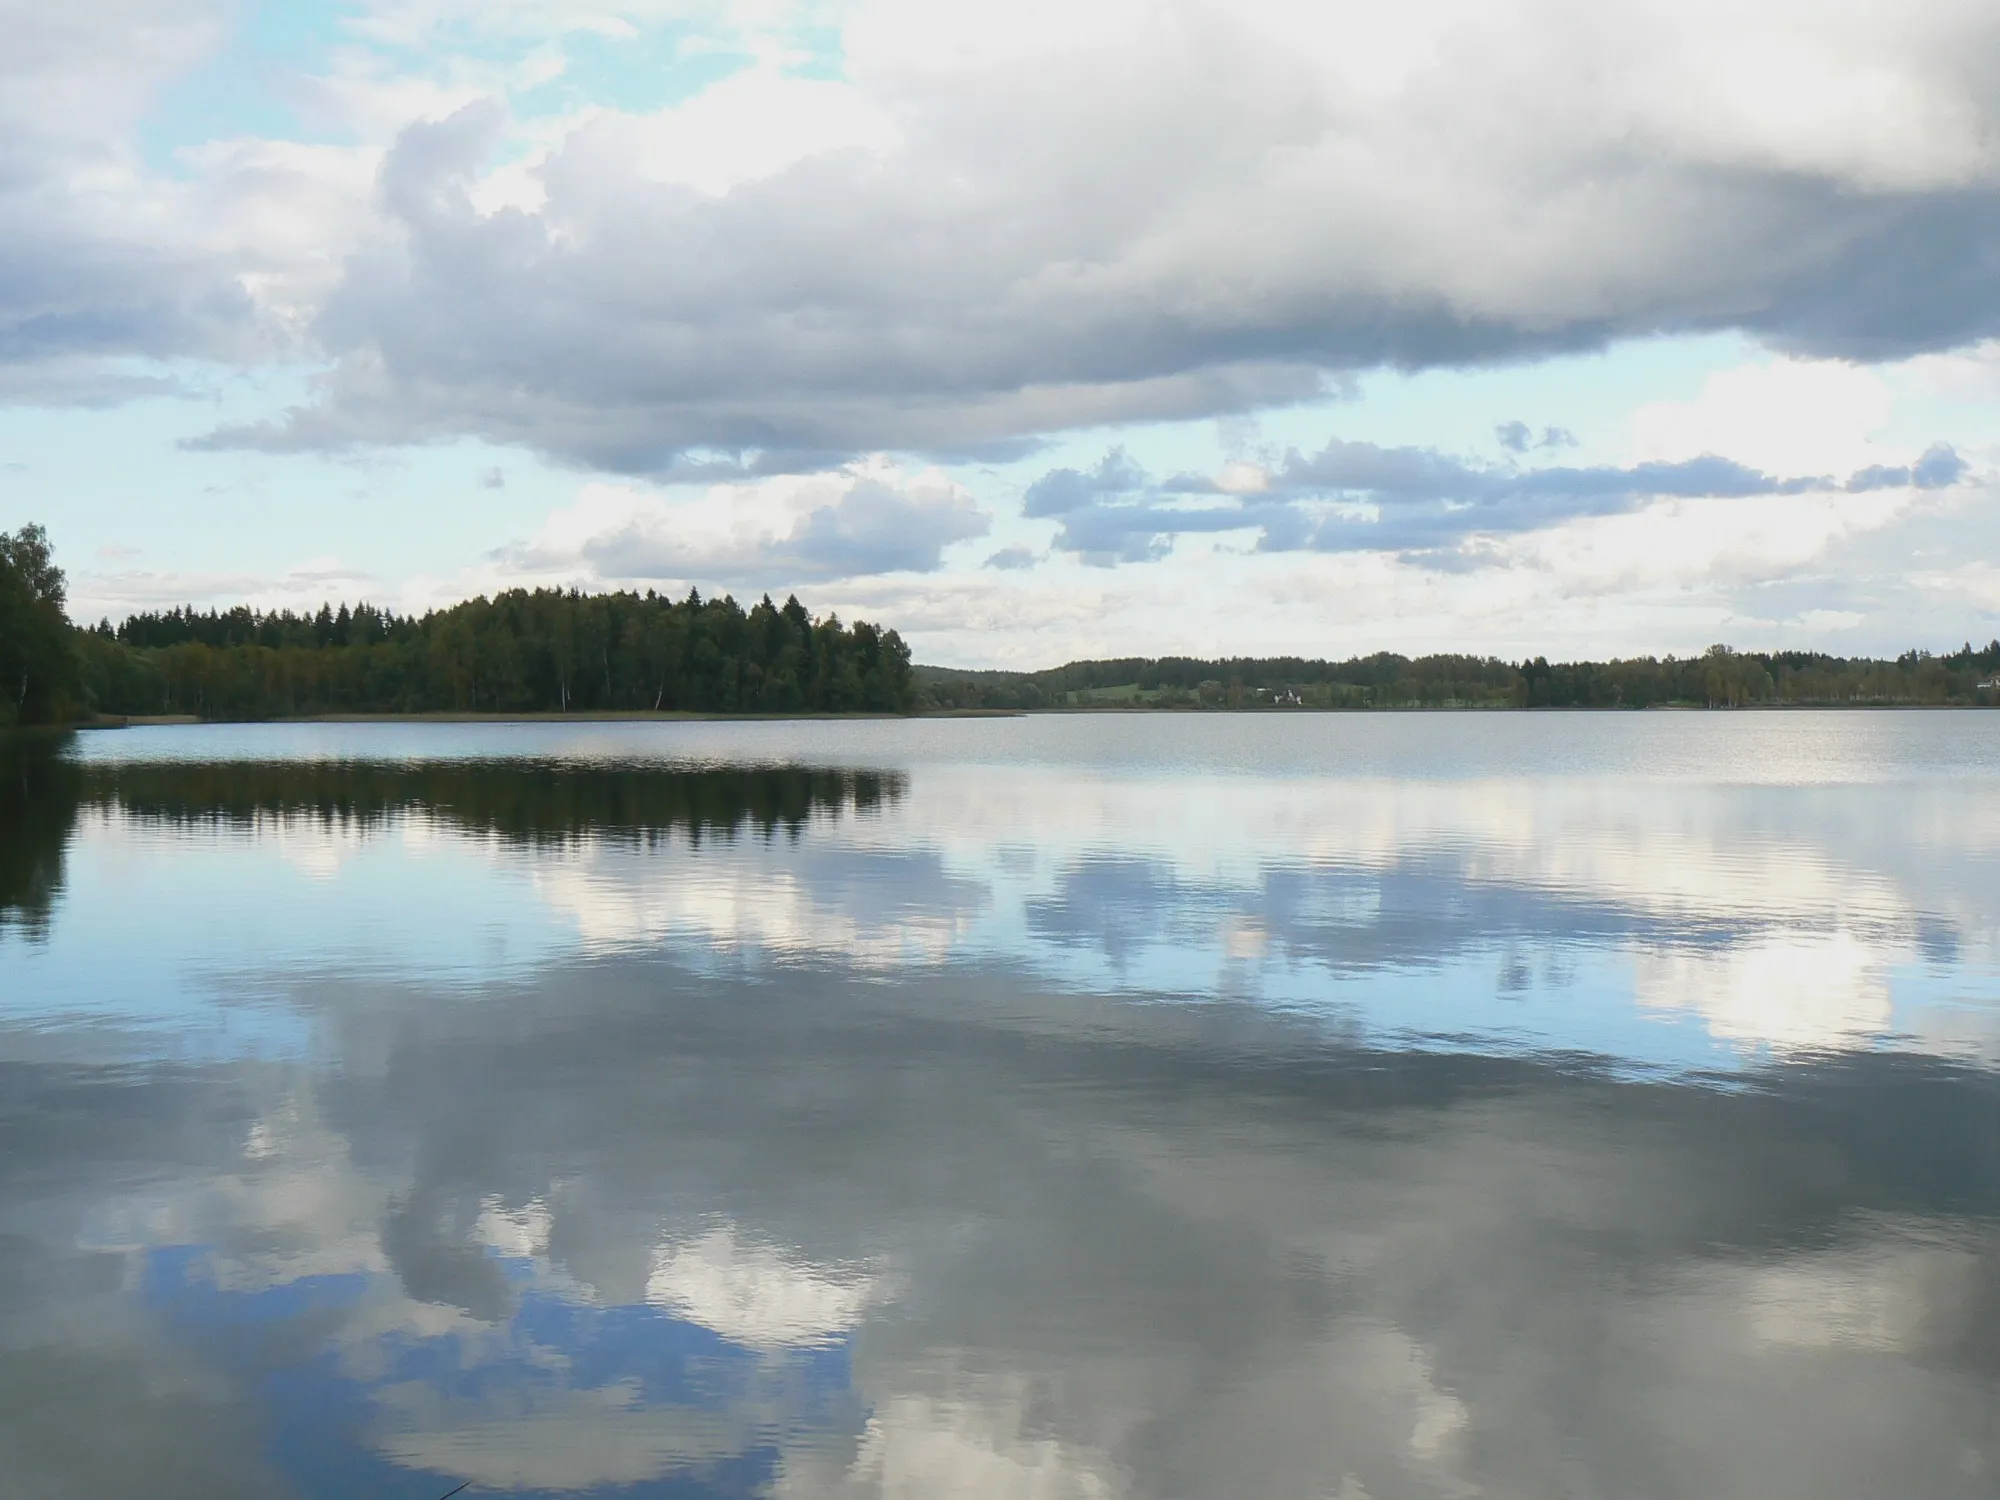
(1316, 1107)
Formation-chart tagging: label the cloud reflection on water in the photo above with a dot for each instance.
(813, 1234)
(1776, 919)
(1025, 1132)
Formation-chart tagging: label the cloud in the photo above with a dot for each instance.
(79, 382)
(1518, 437)
(1061, 491)
(106, 258)
(1359, 496)
(1776, 414)
(1939, 468)
(1013, 558)
(866, 520)
(1206, 209)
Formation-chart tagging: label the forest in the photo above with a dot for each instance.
(540, 651)
(561, 651)
(1718, 678)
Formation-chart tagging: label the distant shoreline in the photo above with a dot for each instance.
(599, 716)
(677, 716)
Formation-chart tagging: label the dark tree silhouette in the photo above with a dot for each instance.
(38, 660)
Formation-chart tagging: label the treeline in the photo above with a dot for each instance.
(540, 651)
(1720, 678)
(545, 651)
(554, 651)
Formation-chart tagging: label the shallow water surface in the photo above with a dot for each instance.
(1094, 1106)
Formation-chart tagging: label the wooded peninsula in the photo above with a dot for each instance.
(551, 651)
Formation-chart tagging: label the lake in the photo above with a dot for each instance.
(1327, 1107)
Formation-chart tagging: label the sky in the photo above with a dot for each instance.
(1036, 330)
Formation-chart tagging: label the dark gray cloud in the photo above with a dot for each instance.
(1356, 496)
(1903, 273)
